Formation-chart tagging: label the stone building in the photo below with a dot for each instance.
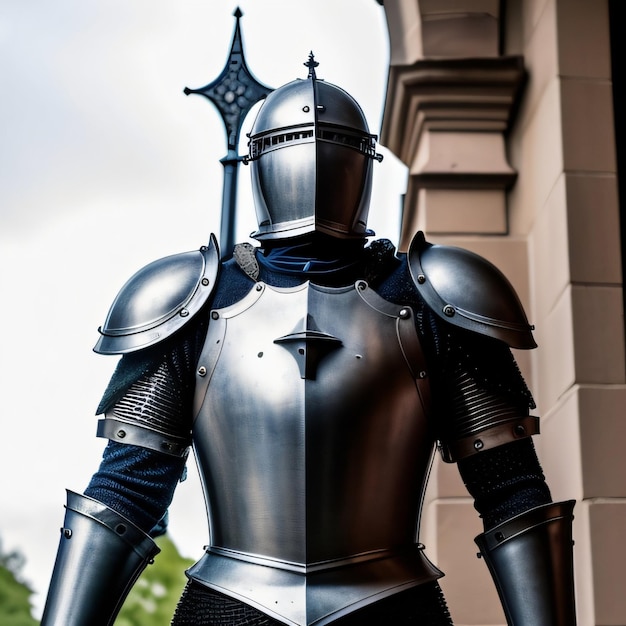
(504, 113)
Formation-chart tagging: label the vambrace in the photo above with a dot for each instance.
(530, 559)
(100, 556)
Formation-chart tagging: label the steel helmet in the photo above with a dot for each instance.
(311, 157)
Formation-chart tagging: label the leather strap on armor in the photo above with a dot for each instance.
(530, 559)
(83, 591)
(490, 438)
(124, 432)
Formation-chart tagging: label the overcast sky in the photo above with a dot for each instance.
(105, 165)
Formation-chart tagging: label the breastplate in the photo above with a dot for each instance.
(312, 444)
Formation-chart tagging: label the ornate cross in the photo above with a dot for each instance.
(234, 92)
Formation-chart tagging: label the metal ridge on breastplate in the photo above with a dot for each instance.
(318, 597)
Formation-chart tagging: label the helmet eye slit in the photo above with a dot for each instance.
(265, 143)
(365, 144)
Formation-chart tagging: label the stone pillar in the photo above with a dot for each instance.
(450, 100)
(505, 122)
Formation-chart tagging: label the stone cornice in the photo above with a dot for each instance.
(449, 94)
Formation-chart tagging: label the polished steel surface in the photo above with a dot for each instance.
(311, 434)
(311, 162)
(142, 436)
(468, 291)
(313, 597)
(158, 300)
(530, 557)
(100, 556)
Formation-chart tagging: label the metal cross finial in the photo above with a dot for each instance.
(234, 92)
(311, 64)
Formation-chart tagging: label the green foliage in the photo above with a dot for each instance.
(15, 609)
(153, 599)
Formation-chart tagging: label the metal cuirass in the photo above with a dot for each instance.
(313, 447)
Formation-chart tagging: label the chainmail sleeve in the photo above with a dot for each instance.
(150, 392)
(480, 391)
(149, 399)
(484, 399)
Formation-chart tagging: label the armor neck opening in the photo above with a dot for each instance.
(312, 255)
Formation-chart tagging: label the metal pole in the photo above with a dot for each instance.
(234, 92)
(229, 202)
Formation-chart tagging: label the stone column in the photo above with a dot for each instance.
(515, 159)
(451, 97)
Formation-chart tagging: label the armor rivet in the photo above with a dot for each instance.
(421, 279)
(259, 287)
(423, 374)
(260, 355)
(519, 430)
(202, 371)
(358, 356)
(184, 313)
(448, 310)
(405, 313)
(205, 281)
(306, 109)
(67, 532)
(120, 529)
(215, 315)
(499, 536)
(478, 444)
(121, 434)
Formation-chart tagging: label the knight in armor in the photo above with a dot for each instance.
(315, 375)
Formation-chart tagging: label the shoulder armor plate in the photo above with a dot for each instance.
(158, 300)
(468, 291)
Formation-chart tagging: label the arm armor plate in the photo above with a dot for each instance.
(158, 300)
(100, 556)
(468, 291)
(530, 559)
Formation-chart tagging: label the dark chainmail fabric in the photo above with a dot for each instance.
(169, 365)
(478, 384)
(420, 606)
(136, 482)
(156, 403)
(505, 481)
(200, 606)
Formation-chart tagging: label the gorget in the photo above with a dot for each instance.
(312, 442)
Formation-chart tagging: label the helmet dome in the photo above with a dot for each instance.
(311, 158)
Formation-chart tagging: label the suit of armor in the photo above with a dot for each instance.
(314, 377)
